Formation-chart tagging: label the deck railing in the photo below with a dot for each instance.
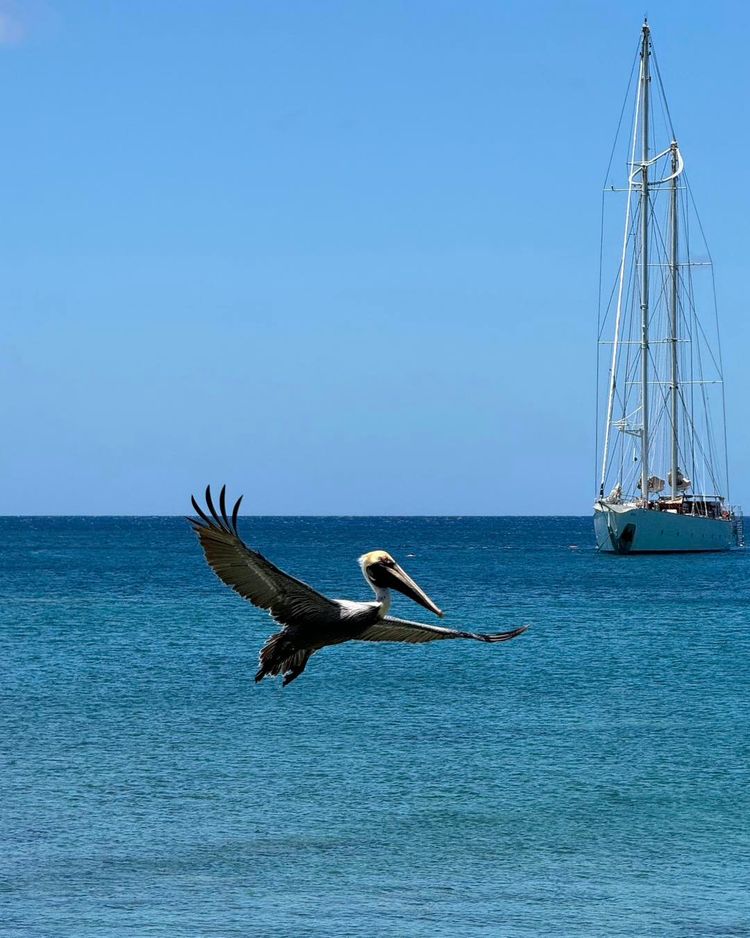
(738, 524)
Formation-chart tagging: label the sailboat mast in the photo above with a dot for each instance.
(645, 209)
(673, 337)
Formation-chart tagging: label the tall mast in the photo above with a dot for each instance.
(645, 208)
(673, 337)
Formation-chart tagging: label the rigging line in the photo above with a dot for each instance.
(601, 265)
(709, 455)
(717, 364)
(723, 413)
(718, 334)
(664, 106)
(660, 251)
(707, 467)
(713, 275)
(629, 366)
(622, 113)
(633, 294)
(662, 92)
(688, 424)
(659, 391)
(657, 431)
(696, 331)
(689, 191)
(607, 310)
(615, 283)
(596, 425)
(609, 163)
(618, 317)
(699, 330)
(708, 458)
(690, 318)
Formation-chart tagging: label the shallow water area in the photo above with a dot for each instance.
(588, 778)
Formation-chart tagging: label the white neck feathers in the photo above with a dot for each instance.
(383, 596)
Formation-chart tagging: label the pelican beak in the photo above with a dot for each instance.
(397, 579)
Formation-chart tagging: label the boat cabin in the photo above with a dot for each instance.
(702, 506)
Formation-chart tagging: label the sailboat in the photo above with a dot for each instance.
(662, 481)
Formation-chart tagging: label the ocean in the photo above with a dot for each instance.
(589, 778)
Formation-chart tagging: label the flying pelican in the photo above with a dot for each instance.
(310, 620)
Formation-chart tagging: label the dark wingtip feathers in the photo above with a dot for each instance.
(199, 511)
(218, 520)
(503, 636)
(235, 512)
(211, 508)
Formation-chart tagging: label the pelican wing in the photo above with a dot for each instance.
(389, 629)
(251, 575)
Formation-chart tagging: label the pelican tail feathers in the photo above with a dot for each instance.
(280, 655)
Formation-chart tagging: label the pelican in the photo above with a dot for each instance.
(309, 620)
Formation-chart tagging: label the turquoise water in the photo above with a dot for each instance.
(589, 778)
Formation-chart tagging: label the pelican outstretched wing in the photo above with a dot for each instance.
(389, 629)
(251, 575)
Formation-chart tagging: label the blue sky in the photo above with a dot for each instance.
(340, 255)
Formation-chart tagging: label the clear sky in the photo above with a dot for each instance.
(340, 255)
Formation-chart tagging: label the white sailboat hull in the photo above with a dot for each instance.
(628, 529)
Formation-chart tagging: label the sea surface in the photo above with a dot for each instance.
(589, 778)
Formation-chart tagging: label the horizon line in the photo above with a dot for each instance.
(311, 515)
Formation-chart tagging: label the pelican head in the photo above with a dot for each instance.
(383, 573)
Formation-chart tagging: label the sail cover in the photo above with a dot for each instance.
(655, 484)
(683, 484)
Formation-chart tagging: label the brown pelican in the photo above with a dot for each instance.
(310, 620)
